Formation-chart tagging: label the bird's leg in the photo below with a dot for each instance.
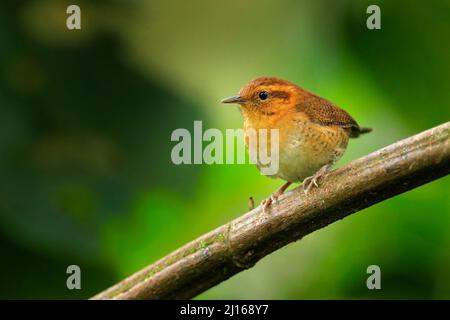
(267, 202)
(313, 180)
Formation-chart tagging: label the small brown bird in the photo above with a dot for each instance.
(313, 132)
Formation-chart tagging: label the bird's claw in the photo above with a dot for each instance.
(266, 203)
(274, 197)
(309, 182)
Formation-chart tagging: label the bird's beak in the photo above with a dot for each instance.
(234, 99)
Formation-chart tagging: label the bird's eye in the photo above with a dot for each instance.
(263, 95)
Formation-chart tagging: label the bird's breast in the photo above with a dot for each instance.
(303, 146)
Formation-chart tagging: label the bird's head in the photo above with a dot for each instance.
(266, 96)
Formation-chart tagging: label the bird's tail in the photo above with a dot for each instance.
(356, 132)
(365, 130)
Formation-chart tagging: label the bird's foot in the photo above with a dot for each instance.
(309, 182)
(267, 202)
(274, 197)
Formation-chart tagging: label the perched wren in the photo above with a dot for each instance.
(313, 132)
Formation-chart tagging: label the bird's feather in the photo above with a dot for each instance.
(324, 112)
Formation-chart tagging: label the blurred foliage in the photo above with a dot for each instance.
(86, 117)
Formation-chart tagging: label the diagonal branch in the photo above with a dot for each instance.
(238, 245)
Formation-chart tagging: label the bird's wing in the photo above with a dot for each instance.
(323, 112)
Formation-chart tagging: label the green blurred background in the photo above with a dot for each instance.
(86, 118)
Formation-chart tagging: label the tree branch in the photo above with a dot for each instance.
(238, 245)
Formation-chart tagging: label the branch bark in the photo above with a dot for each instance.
(238, 245)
